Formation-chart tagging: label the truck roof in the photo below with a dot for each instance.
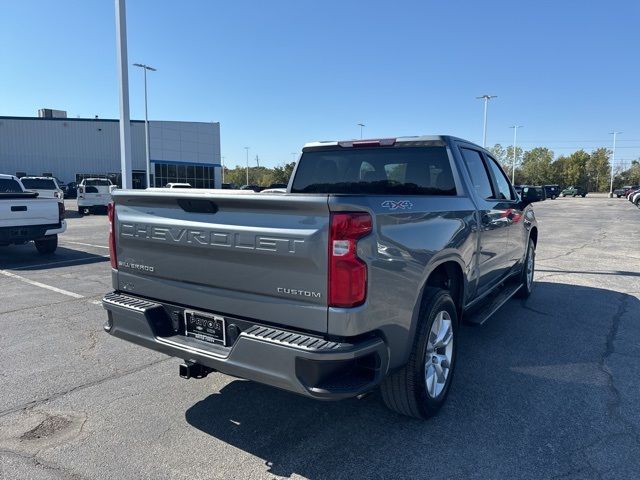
(384, 141)
(6, 176)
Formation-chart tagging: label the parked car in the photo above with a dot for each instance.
(573, 192)
(552, 191)
(295, 290)
(94, 194)
(619, 192)
(255, 188)
(178, 185)
(47, 187)
(274, 190)
(635, 198)
(629, 193)
(71, 190)
(25, 216)
(538, 191)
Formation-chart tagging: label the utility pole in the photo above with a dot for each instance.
(123, 83)
(257, 161)
(222, 162)
(361, 125)
(247, 149)
(146, 121)
(486, 99)
(613, 160)
(515, 156)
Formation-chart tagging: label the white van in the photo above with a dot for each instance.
(94, 194)
(47, 187)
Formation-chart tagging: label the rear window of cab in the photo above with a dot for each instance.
(376, 171)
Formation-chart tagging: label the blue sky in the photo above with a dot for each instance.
(280, 73)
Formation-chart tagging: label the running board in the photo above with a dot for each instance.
(492, 304)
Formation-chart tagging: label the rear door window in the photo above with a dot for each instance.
(376, 171)
(504, 190)
(477, 172)
(97, 183)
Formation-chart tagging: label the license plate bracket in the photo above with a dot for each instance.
(206, 327)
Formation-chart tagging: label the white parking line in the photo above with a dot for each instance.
(25, 267)
(41, 285)
(85, 244)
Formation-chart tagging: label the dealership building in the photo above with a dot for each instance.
(75, 148)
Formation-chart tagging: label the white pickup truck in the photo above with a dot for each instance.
(25, 217)
(94, 194)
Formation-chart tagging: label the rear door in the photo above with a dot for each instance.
(508, 203)
(248, 255)
(494, 252)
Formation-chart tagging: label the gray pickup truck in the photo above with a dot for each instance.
(357, 277)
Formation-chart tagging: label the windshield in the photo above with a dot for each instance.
(39, 184)
(376, 171)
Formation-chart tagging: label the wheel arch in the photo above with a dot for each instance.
(447, 274)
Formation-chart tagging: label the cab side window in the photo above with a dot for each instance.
(504, 189)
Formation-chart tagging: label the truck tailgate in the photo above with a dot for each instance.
(23, 212)
(253, 256)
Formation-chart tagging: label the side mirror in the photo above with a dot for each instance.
(530, 195)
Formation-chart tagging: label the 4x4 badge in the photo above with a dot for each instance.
(397, 204)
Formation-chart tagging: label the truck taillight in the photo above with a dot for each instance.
(61, 210)
(111, 213)
(347, 272)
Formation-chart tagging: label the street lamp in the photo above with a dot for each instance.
(515, 138)
(361, 125)
(123, 88)
(247, 149)
(486, 99)
(146, 119)
(613, 161)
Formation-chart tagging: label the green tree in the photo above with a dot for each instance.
(536, 166)
(598, 170)
(282, 173)
(576, 169)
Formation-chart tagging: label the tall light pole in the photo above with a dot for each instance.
(222, 162)
(247, 149)
(613, 161)
(123, 83)
(361, 125)
(515, 156)
(146, 120)
(486, 99)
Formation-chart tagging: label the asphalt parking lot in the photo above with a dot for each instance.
(548, 388)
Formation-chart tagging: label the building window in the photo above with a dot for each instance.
(198, 176)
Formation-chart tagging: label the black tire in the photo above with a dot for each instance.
(47, 245)
(526, 286)
(405, 390)
(584, 195)
(80, 211)
(618, 196)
